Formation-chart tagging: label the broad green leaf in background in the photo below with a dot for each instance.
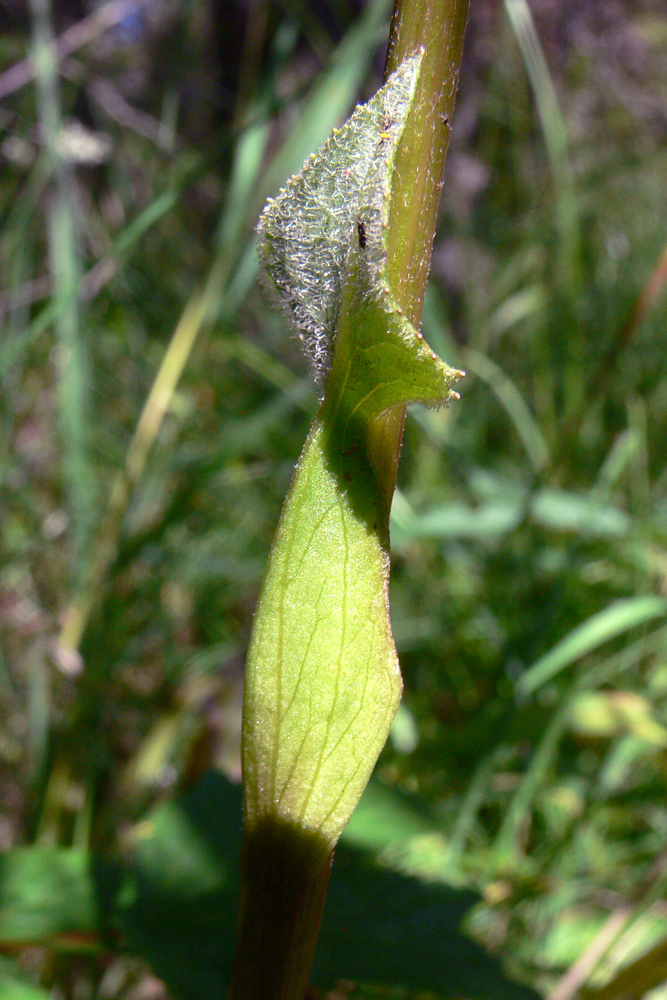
(175, 904)
(585, 515)
(45, 892)
(14, 984)
(556, 510)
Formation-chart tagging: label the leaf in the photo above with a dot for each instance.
(15, 985)
(456, 520)
(179, 898)
(585, 515)
(176, 902)
(322, 678)
(608, 713)
(305, 231)
(45, 892)
(384, 927)
(555, 510)
(613, 621)
(384, 816)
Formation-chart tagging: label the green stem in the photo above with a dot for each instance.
(438, 26)
(286, 861)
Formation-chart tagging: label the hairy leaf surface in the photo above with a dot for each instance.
(323, 681)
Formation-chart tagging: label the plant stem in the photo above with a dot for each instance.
(284, 879)
(438, 26)
(285, 866)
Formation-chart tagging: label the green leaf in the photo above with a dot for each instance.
(322, 679)
(378, 926)
(384, 816)
(305, 233)
(585, 515)
(619, 617)
(457, 520)
(45, 892)
(384, 927)
(176, 902)
(15, 985)
(322, 682)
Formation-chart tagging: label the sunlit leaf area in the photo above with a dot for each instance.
(512, 843)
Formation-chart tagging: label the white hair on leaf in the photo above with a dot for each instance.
(307, 231)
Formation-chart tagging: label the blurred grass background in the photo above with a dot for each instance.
(153, 405)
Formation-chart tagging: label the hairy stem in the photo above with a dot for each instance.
(438, 26)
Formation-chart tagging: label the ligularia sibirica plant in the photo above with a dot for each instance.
(323, 681)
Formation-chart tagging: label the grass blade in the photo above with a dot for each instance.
(555, 134)
(619, 617)
(64, 263)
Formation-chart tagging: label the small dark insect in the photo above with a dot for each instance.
(361, 232)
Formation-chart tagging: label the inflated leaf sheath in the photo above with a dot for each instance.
(323, 681)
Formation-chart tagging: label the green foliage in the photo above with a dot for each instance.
(183, 881)
(523, 513)
(322, 676)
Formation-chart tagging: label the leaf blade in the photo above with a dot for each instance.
(607, 624)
